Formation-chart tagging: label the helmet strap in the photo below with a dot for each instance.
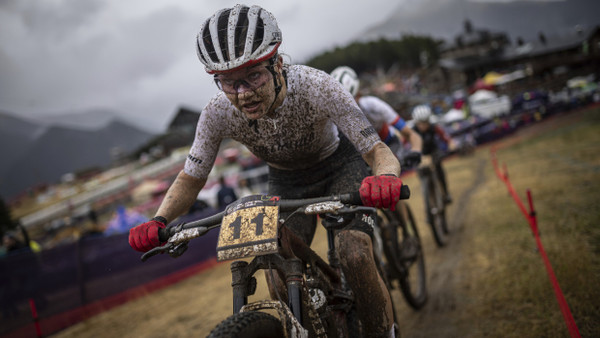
(276, 83)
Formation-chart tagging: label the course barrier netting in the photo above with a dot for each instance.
(43, 293)
(531, 218)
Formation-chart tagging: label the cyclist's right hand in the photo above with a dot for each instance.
(144, 237)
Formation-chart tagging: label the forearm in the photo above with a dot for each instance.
(180, 197)
(382, 160)
(416, 143)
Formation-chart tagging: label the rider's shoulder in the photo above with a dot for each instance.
(373, 103)
(218, 108)
(302, 73)
(311, 83)
(370, 100)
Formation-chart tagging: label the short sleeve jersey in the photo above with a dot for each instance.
(379, 113)
(299, 134)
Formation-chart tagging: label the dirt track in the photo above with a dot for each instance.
(440, 317)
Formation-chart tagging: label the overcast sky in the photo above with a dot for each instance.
(137, 57)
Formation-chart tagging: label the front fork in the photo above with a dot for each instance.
(244, 282)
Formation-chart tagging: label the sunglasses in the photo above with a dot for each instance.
(255, 79)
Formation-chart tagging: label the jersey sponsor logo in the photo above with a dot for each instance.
(368, 131)
(369, 220)
(194, 159)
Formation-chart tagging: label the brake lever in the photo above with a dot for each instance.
(178, 249)
(157, 250)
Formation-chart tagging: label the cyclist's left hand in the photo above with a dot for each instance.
(381, 191)
(412, 159)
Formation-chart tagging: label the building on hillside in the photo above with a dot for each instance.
(180, 133)
(184, 122)
(471, 49)
(548, 60)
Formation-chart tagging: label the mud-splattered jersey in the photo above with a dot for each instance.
(300, 133)
(381, 115)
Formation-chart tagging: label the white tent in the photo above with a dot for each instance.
(482, 95)
(487, 104)
(453, 115)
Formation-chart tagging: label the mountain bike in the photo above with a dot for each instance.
(319, 302)
(434, 197)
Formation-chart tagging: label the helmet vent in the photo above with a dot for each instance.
(207, 41)
(222, 34)
(241, 31)
(259, 34)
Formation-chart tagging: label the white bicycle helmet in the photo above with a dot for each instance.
(347, 77)
(237, 37)
(422, 113)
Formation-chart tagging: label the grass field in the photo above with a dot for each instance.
(490, 279)
(560, 162)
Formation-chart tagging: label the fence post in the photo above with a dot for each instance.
(34, 315)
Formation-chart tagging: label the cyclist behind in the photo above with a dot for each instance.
(391, 128)
(432, 134)
(308, 129)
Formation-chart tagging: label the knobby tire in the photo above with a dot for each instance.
(249, 325)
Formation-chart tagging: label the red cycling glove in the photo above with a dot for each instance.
(380, 191)
(144, 237)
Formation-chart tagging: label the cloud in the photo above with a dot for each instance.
(137, 57)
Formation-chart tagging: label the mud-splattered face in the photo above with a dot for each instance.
(252, 89)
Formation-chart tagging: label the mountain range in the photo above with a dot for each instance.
(37, 151)
(444, 19)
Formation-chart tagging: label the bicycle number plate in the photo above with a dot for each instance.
(249, 228)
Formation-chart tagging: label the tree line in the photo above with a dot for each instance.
(409, 52)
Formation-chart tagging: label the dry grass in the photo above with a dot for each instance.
(561, 166)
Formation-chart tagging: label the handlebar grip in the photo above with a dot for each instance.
(404, 192)
(163, 234)
(355, 198)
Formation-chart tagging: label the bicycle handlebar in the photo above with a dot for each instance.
(208, 223)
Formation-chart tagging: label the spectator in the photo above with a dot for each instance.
(243, 189)
(226, 194)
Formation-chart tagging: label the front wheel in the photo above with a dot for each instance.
(249, 325)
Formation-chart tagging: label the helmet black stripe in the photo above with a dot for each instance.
(241, 31)
(207, 41)
(259, 34)
(222, 33)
